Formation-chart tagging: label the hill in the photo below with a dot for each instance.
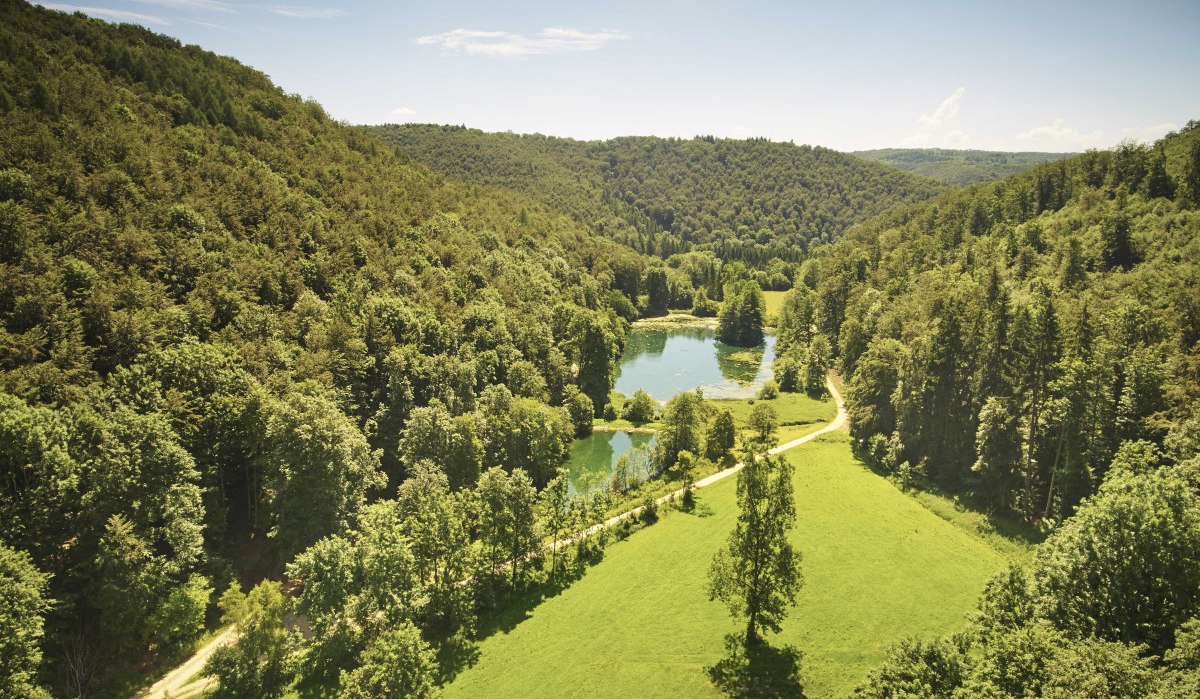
(958, 167)
(752, 200)
(219, 309)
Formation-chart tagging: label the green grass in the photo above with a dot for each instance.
(774, 300)
(878, 566)
(792, 409)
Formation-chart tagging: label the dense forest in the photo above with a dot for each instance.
(1032, 346)
(750, 200)
(228, 322)
(259, 366)
(959, 167)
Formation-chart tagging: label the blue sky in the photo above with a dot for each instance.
(847, 75)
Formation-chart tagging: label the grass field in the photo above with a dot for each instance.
(774, 300)
(877, 564)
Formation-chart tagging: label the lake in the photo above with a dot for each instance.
(664, 361)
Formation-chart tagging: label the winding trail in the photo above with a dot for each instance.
(183, 683)
(839, 421)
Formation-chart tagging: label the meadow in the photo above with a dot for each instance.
(878, 566)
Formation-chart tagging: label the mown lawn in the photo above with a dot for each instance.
(878, 566)
(798, 414)
(774, 301)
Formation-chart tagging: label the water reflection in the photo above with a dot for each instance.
(667, 361)
(593, 458)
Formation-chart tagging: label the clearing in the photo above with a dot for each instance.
(878, 566)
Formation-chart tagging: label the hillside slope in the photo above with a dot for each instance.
(750, 200)
(219, 309)
(1032, 325)
(958, 167)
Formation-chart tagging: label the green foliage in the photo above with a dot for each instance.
(958, 167)
(397, 664)
(682, 429)
(639, 408)
(720, 439)
(750, 200)
(258, 662)
(581, 411)
(741, 317)
(763, 424)
(23, 606)
(769, 390)
(758, 574)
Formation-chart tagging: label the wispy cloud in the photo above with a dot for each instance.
(404, 111)
(946, 112)
(109, 13)
(935, 128)
(1059, 134)
(305, 12)
(1146, 134)
(194, 5)
(496, 44)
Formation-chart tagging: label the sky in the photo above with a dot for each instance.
(1017, 75)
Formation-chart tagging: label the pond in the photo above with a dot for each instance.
(664, 361)
(594, 457)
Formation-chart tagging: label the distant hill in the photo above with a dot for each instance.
(752, 200)
(958, 167)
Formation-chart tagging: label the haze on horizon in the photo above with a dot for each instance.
(852, 76)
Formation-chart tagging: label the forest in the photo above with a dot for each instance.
(959, 167)
(258, 366)
(748, 200)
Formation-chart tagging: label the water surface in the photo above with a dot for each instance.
(594, 457)
(667, 361)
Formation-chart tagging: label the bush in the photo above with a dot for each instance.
(640, 408)
(649, 514)
(769, 390)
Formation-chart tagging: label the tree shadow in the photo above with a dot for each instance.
(502, 608)
(757, 670)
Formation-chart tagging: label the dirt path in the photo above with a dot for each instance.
(838, 422)
(179, 683)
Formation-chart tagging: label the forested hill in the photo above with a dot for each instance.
(1033, 346)
(750, 200)
(219, 309)
(959, 167)
(1009, 339)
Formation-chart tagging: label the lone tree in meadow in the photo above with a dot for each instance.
(757, 575)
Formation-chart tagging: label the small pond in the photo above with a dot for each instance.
(664, 361)
(594, 457)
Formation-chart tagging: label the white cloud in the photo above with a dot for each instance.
(199, 5)
(304, 12)
(1059, 134)
(108, 13)
(956, 138)
(496, 44)
(1147, 134)
(946, 112)
(404, 111)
